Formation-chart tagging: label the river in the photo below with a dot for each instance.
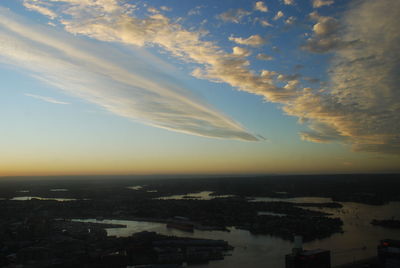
(358, 241)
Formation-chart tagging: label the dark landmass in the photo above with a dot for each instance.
(389, 223)
(375, 189)
(111, 198)
(310, 228)
(321, 205)
(42, 242)
(215, 214)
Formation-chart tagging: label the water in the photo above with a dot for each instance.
(141, 187)
(136, 188)
(267, 251)
(205, 195)
(260, 213)
(293, 199)
(26, 198)
(358, 232)
(250, 250)
(59, 190)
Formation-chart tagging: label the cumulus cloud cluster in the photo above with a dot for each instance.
(291, 20)
(360, 108)
(234, 15)
(41, 9)
(241, 52)
(260, 6)
(253, 40)
(326, 36)
(263, 22)
(278, 15)
(262, 56)
(321, 3)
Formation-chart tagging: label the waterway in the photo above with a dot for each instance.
(358, 241)
(26, 198)
(205, 195)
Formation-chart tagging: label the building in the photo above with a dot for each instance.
(299, 258)
(389, 253)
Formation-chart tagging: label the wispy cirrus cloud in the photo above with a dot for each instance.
(46, 99)
(138, 91)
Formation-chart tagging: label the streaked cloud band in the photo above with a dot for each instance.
(136, 92)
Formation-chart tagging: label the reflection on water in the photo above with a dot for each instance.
(59, 190)
(26, 198)
(205, 195)
(140, 187)
(137, 187)
(250, 250)
(358, 232)
(267, 251)
(260, 213)
(293, 199)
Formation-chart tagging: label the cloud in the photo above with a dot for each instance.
(312, 79)
(264, 57)
(234, 15)
(321, 3)
(240, 52)
(46, 99)
(288, 77)
(214, 64)
(125, 85)
(264, 23)
(325, 26)
(278, 15)
(253, 40)
(260, 6)
(38, 8)
(165, 8)
(195, 10)
(360, 107)
(268, 74)
(288, 2)
(153, 10)
(290, 20)
(326, 36)
(292, 84)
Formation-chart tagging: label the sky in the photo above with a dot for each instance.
(199, 87)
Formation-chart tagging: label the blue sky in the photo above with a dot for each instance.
(143, 87)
